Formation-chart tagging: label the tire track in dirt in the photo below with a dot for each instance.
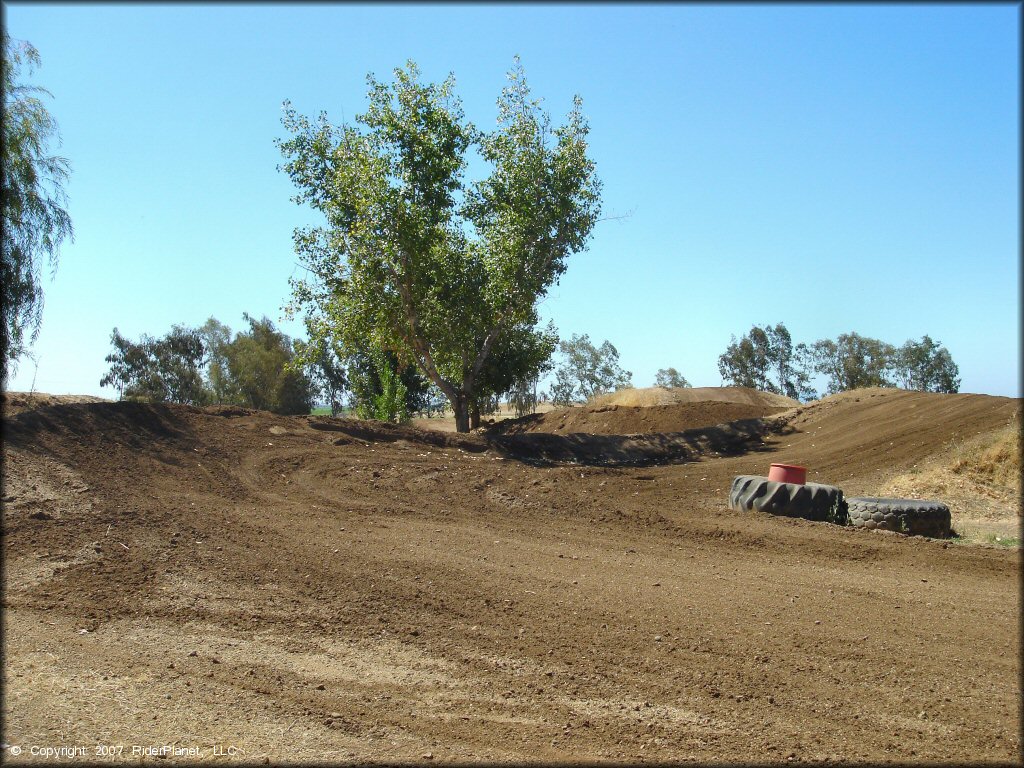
(475, 607)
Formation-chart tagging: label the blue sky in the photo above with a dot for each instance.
(834, 167)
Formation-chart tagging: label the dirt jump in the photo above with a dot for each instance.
(218, 584)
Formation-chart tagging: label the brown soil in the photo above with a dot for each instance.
(624, 420)
(309, 590)
(676, 395)
(16, 402)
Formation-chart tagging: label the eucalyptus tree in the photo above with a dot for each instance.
(670, 378)
(766, 359)
(415, 260)
(853, 361)
(586, 371)
(927, 366)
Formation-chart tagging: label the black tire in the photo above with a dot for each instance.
(811, 501)
(910, 516)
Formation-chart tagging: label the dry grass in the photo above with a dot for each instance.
(979, 479)
(995, 463)
(649, 396)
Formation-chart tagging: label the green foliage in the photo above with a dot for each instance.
(158, 370)
(414, 260)
(765, 359)
(745, 362)
(34, 220)
(377, 380)
(670, 378)
(587, 371)
(258, 364)
(927, 366)
(520, 356)
(254, 369)
(216, 337)
(326, 369)
(853, 361)
(389, 403)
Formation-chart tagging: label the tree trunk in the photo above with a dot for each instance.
(460, 405)
(474, 415)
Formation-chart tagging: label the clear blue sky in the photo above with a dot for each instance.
(836, 167)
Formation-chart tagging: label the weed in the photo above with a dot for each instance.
(998, 540)
(839, 513)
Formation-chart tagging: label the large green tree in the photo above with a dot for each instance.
(586, 371)
(168, 369)
(34, 220)
(927, 365)
(415, 260)
(259, 366)
(766, 359)
(853, 361)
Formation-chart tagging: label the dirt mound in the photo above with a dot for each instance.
(12, 403)
(308, 590)
(672, 396)
(865, 436)
(627, 420)
(981, 474)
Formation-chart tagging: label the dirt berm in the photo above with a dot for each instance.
(304, 590)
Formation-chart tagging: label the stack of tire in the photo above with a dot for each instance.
(814, 501)
(811, 501)
(911, 516)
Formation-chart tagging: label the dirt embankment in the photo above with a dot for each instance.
(627, 420)
(303, 590)
(647, 396)
(12, 403)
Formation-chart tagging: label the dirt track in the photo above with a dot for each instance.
(236, 579)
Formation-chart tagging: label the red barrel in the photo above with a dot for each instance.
(788, 473)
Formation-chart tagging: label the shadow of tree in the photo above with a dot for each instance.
(156, 430)
(545, 449)
(731, 439)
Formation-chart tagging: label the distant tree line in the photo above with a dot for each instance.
(586, 371)
(263, 368)
(206, 365)
(766, 359)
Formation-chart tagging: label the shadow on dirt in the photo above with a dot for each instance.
(368, 431)
(545, 449)
(162, 430)
(732, 439)
(139, 426)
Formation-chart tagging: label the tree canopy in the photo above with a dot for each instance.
(415, 260)
(205, 365)
(587, 371)
(168, 369)
(670, 378)
(927, 365)
(853, 361)
(766, 359)
(34, 220)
